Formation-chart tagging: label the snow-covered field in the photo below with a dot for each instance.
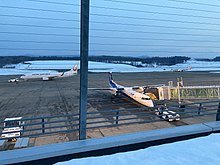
(198, 151)
(23, 72)
(46, 66)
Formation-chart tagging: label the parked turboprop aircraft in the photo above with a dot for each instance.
(49, 76)
(130, 92)
(140, 97)
(143, 99)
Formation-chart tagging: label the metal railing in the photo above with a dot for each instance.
(45, 125)
(69, 123)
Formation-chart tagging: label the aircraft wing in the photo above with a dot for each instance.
(148, 86)
(138, 87)
(52, 76)
(119, 89)
(156, 85)
(49, 77)
(99, 88)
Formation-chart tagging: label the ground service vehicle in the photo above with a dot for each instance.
(166, 114)
(13, 80)
(12, 128)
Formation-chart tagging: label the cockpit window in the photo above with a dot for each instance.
(144, 98)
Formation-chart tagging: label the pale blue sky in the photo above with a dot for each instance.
(139, 28)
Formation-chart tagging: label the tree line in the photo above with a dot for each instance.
(4, 60)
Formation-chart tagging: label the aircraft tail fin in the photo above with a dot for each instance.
(110, 76)
(111, 81)
(71, 72)
(189, 67)
(75, 68)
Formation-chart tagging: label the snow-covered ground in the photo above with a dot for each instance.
(22, 72)
(46, 66)
(198, 151)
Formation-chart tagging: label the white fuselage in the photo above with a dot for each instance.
(128, 91)
(50, 76)
(42, 76)
(139, 97)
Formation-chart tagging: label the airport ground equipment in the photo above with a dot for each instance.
(13, 128)
(15, 80)
(166, 114)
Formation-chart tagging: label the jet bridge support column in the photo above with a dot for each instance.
(84, 42)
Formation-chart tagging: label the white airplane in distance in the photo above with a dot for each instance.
(130, 92)
(182, 69)
(50, 76)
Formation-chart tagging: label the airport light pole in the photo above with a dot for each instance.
(178, 91)
(84, 44)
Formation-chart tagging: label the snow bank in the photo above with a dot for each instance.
(203, 150)
(35, 66)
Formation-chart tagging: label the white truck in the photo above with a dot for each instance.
(12, 128)
(14, 80)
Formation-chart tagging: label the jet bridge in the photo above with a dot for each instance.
(196, 92)
(188, 92)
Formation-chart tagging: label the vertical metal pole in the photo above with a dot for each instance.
(200, 108)
(218, 93)
(178, 90)
(116, 119)
(218, 113)
(43, 130)
(84, 42)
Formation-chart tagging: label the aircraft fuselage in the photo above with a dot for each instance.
(128, 91)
